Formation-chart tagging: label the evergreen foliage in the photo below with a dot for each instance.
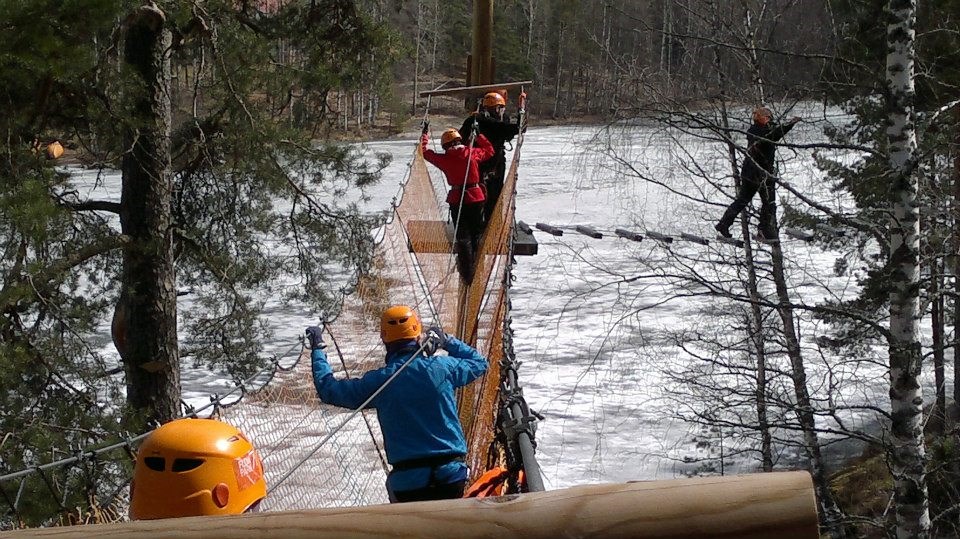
(256, 197)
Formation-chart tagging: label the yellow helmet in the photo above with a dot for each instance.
(398, 323)
(494, 99)
(192, 467)
(449, 136)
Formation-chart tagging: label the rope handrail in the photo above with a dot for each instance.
(126, 443)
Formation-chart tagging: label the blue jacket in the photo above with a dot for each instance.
(417, 411)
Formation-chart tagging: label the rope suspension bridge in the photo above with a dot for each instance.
(316, 455)
(325, 467)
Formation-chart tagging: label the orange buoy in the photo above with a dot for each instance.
(54, 150)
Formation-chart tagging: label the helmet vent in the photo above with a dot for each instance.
(155, 463)
(185, 465)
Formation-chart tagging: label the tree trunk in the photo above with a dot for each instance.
(953, 261)
(531, 6)
(147, 312)
(755, 320)
(908, 459)
(937, 328)
(558, 80)
(754, 58)
(416, 60)
(666, 34)
(831, 515)
(956, 269)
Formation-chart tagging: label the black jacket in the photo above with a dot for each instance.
(762, 149)
(498, 132)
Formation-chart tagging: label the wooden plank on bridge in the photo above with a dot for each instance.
(801, 235)
(632, 236)
(730, 241)
(430, 236)
(694, 238)
(838, 232)
(588, 231)
(660, 237)
(549, 229)
(524, 244)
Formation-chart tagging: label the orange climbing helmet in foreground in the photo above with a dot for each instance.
(193, 467)
(398, 323)
(494, 99)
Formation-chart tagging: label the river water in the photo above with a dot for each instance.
(597, 321)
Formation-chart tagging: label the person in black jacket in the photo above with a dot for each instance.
(758, 173)
(493, 124)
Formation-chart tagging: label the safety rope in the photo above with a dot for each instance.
(303, 419)
(366, 418)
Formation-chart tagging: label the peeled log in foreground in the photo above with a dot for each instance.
(766, 505)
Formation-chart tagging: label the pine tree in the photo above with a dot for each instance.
(212, 112)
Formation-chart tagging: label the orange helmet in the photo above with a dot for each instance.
(192, 467)
(54, 150)
(762, 115)
(494, 99)
(398, 323)
(449, 136)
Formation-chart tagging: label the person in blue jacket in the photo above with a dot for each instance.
(417, 410)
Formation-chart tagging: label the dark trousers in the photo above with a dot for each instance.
(768, 204)
(468, 236)
(493, 174)
(433, 492)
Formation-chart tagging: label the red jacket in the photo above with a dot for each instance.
(453, 164)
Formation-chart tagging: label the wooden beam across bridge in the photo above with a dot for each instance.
(476, 90)
(762, 505)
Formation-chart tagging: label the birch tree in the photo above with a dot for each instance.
(908, 464)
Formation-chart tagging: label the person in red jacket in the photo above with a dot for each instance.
(461, 166)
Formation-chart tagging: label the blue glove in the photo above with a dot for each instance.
(434, 339)
(315, 338)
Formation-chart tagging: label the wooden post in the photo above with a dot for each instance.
(481, 54)
(779, 504)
